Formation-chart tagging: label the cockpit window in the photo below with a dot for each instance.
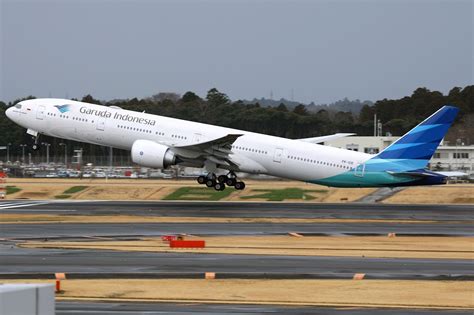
(18, 106)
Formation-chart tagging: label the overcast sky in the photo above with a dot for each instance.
(322, 50)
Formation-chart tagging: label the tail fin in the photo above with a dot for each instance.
(421, 142)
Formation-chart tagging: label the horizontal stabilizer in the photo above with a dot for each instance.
(421, 173)
(423, 177)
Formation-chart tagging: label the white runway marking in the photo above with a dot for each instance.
(20, 204)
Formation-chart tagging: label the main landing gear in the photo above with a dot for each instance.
(221, 181)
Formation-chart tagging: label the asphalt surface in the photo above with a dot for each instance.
(17, 260)
(245, 209)
(448, 220)
(80, 308)
(32, 231)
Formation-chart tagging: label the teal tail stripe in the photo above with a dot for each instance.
(410, 153)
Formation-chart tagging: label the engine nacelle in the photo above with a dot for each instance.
(151, 154)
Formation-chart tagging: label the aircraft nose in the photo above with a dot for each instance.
(9, 113)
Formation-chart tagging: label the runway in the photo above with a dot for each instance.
(454, 220)
(244, 209)
(421, 220)
(17, 260)
(457, 221)
(80, 308)
(72, 230)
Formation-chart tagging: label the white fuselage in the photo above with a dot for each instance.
(119, 128)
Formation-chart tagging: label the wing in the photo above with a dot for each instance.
(222, 143)
(216, 150)
(326, 138)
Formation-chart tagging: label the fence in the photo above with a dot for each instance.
(41, 158)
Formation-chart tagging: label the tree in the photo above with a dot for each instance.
(216, 98)
(190, 97)
(89, 99)
(300, 110)
(367, 113)
(162, 96)
(282, 108)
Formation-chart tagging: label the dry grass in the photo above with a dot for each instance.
(347, 194)
(354, 246)
(140, 189)
(368, 293)
(447, 194)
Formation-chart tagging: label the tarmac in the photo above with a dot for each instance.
(244, 209)
(441, 220)
(451, 220)
(80, 308)
(18, 260)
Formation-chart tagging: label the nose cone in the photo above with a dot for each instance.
(9, 113)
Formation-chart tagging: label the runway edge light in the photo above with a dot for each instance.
(295, 234)
(59, 276)
(358, 276)
(210, 275)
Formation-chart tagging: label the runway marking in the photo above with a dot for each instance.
(12, 205)
(81, 311)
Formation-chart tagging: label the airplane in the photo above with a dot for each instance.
(160, 142)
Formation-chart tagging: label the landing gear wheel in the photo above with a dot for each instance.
(222, 178)
(201, 179)
(219, 186)
(230, 181)
(210, 182)
(239, 185)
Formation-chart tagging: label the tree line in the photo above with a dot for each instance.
(397, 116)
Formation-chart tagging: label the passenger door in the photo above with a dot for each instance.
(359, 170)
(40, 112)
(197, 138)
(101, 124)
(277, 156)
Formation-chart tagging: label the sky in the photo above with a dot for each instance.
(319, 51)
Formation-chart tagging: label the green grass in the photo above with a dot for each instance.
(75, 189)
(283, 194)
(198, 193)
(12, 189)
(62, 196)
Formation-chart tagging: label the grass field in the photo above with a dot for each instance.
(198, 193)
(68, 193)
(357, 293)
(283, 194)
(256, 190)
(75, 189)
(350, 246)
(12, 189)
(62, 196)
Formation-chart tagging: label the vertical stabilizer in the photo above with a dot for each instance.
(421, 142)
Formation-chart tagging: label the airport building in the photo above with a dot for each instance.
(446, 157)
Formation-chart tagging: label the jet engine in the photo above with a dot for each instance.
(151, 154)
